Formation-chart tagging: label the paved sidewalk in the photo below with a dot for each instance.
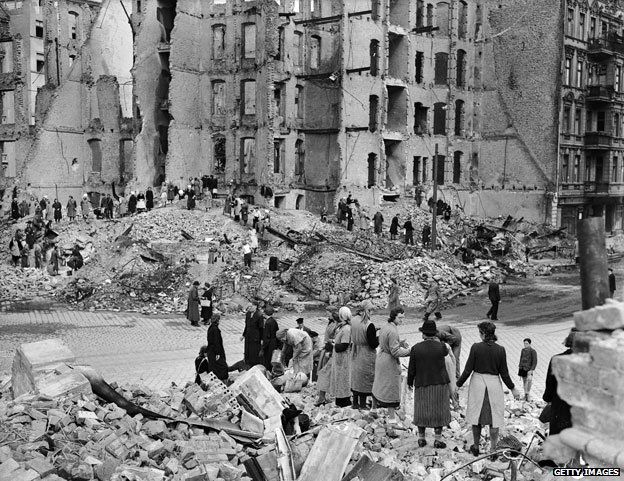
(159, 350)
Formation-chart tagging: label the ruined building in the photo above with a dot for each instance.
(72, 107)
(591, 145)
(318, 98)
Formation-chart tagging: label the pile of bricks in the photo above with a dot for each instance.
(592, 382)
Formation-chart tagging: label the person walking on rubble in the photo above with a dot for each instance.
(149, 199)
(192, 304)
(269, 338)
(85, 207)
(494, 296)
(526, 367)
(387, 383)
(323, 383)
(486, 366)
(394, 227)
(433, 300)
(409, 232)
(378, 223)
(252, 335)
(426, 236)
(215, 352)
(364, 345)
(341, 359)
(71, 209)
(428, 376)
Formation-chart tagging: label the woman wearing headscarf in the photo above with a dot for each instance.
(206, 303)
(487, 362)
(364, 344)
(323, 383)
(428, 375)
(341, 359)
(57, 210)
(387, 384)
(215, 352)
(132, 203)
(302, 349)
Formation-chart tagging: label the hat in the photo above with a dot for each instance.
(207, 284)
(300, 320)
(429, 328)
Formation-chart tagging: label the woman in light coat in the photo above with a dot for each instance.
(323, 383)
(387, 384)
(341, 359)
(301, 342)
(364, 344)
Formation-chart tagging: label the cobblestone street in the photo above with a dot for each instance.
(129, 347)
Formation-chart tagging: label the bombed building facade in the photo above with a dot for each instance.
(316, 99)
(73, 97)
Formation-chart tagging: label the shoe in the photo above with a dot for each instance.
(194, 324)
(355, 406)
(474, 450)
(422, 443)
(439, 444)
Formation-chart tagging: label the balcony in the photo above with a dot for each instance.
(606, 46)
(598, 140)
(604, 189)
(600, 93)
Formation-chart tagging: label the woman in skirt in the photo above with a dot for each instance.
(323, 383)
(387, 383)
(341, 360)
(428, 375)
(487, 362)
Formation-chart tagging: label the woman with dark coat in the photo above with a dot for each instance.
(394, 227)
(192, 305)
(15, 213)
(269, 338)
(149, 199)
(215, 352)
(252, 335)
(206, 303)
(487, 363)
(132, 203)
(560, 417)
(57, 210)
(190, 198)
(428, 375)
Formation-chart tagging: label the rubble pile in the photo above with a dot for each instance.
(219, 433)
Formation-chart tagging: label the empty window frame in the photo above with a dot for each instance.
(315, 52)
(73, 24)
(299, 157)
(459, 117)
(39, 28)
(96, 155)
(439, 118)
(218, 42)
(248, 155)
(441, 68)
(219, 154)
(461, 68)
(218, 97)
(374, 57)
(298, 49)
(278, 156)
(420, 118)
(249, 41)
(248, 97)
(373, 112)
(457, 161)
(419, 65)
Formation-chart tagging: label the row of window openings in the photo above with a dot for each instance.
(73, 26)
(594, 122)
(572, 172)
(595, 74)
(423, 169)
(579, 31)
(425, 17)
(248, 98)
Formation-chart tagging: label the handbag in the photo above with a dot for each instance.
(546, 414)
(205, 302)
(276, 357)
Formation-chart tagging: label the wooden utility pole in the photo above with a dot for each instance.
(593, 260)
(434, 217)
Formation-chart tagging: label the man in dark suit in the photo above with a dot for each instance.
(494, 295)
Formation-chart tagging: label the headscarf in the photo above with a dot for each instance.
(344, 314)
(281, 334)
(365, 307)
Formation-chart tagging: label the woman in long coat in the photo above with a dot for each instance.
(428, 375)
(364, 344)
(215, 352)
(252, 335)
(323, 383)
(487, 362)
(49, 210)
(132, 203)
(192, 305)
(149, 199)
(393, 296)
(387, 384)
(341, 359)
(269, 338)
(71, 208)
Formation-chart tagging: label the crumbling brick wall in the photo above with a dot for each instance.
(593, 384)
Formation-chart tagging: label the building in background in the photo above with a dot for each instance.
(311, 99)
(591, 143)
(73, 96)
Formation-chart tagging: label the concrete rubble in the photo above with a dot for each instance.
(199, 434)
(147, 262)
